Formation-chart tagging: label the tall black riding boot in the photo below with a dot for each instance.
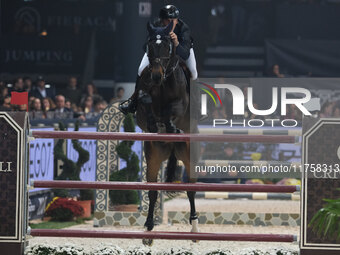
(130, 105)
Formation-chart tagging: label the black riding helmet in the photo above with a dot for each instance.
(169, 12)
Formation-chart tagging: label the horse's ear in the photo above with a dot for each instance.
(150, 28)
(168, 28)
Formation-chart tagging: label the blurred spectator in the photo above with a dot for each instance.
(3, 92)
(36, 109)
(22, 107)
(35, 106)
(61, 112)
(293, 113)
(91, 90)
(326, 110)
(40, 91)
(47, 104)
(72, 92)
(68, 104)
(28, 85)
(75, 108)
(30, 100)
(100, 106)
(336, 111)
(5, 104)
(88, 105)
(18, 85)
(60, 105)
(275, 72)
(228, 153)
(119, 95)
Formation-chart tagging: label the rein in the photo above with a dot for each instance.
(166, 70)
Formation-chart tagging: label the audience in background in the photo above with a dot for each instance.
(119, 95)
(326, 110)
(5, 103)
(275, 72)
(3, 92)
(43, 104)
(35, 106)
(100, 106)
(88, 105)
(60, 105)
(28, 85)
(68, 104)
(18, 85)
(91, 90)
(47, 104)
(72, 92)
(336, 111)
(40, 90)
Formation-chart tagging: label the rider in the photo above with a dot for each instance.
(181, 38)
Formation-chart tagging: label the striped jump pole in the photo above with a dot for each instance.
(165, 186)
(162, 235)
(246, 195)
(164, 137)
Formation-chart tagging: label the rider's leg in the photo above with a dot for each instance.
(131, 106)
(191, 64)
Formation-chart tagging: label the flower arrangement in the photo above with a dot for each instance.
(103, 249)
(112, 250)
(220, 252)
(63, 209)
(42, 249)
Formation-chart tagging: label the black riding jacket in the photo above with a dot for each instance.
(183, 33)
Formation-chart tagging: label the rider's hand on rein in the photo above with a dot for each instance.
(174, 38)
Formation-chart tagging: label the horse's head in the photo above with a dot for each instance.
(159, 49)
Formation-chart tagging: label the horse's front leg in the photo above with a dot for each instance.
(167, 113)
(149, 223)
(153, 161)
(193, 214)
(191, 195)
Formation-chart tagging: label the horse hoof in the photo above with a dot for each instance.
(148, 242)
(194, 229)
(179, 131)
(149, 224)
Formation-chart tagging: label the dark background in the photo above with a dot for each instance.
(103, 39)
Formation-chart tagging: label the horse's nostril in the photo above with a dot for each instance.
(156, 77)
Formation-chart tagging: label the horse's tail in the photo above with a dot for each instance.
(171, 167)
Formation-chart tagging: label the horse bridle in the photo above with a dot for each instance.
(166, 73)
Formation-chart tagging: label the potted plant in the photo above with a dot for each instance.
(63, 209)
(71, 171)
(326, 222)
(126, 200)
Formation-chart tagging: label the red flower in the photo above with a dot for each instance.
(66, 205)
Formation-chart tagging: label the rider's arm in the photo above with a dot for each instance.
(183, 49)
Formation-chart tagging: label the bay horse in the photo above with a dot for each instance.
(164, 107)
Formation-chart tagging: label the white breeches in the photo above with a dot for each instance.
(190, 63)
